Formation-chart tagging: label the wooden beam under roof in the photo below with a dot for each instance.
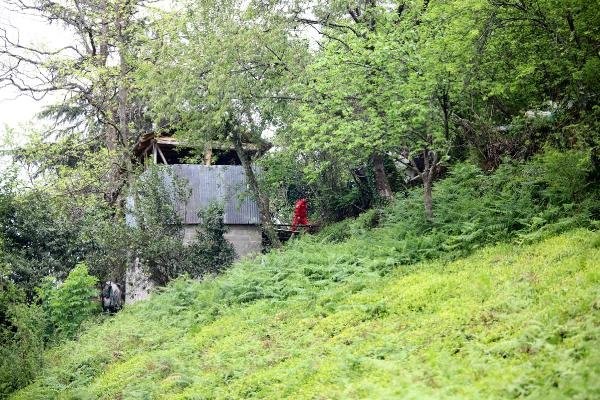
(148, 140)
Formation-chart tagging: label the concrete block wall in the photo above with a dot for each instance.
(246, 240)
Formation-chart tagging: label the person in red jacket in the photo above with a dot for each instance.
(300, 214)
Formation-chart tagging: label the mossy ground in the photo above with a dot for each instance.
(509, 321)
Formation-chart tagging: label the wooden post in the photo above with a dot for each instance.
(162, 156)
(208, 153)
(154, 153)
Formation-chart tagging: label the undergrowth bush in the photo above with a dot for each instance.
(209, 252)
(21, 347)
(565, 174)
(344, 230)
(526, 200)
(68, 304)
(29, 328)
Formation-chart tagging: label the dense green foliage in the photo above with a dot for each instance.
(39, 239)
(22, 349)
(519, 200)
(68, 304)
(510, 321)
(209, 252)
(56, 316)
(430, 129)
(44, 299)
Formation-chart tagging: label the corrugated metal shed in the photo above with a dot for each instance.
(224, 184)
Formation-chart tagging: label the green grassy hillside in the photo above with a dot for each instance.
(309, 322)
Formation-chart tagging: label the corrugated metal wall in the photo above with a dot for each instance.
(225, 184)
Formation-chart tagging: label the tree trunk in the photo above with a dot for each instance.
(427, 195)
(383, 185)
(261, 200)
(123, 88)
(101, 58)
(122, 97)
(117, 133)
(381, 181)
(430, 161)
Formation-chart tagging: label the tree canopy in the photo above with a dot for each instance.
(355, 105)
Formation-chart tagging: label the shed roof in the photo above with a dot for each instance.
(224, 184)
(167, 139)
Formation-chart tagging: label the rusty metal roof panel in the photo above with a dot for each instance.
(225, 184)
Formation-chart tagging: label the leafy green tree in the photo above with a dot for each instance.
(155, 231)
(534, 58)
(97, 107)
(39, 239)
(60, 217)
(385, 82)
(343, 110)
(210, 252)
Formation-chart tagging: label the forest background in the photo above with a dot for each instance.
(362, 104)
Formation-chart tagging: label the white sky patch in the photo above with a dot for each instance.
(16, 109)
(32, 30)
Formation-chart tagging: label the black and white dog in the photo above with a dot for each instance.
(112, 297)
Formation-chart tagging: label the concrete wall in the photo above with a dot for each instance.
(137, 284)
(246, 239)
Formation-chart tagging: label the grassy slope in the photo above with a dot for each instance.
(508, 321)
